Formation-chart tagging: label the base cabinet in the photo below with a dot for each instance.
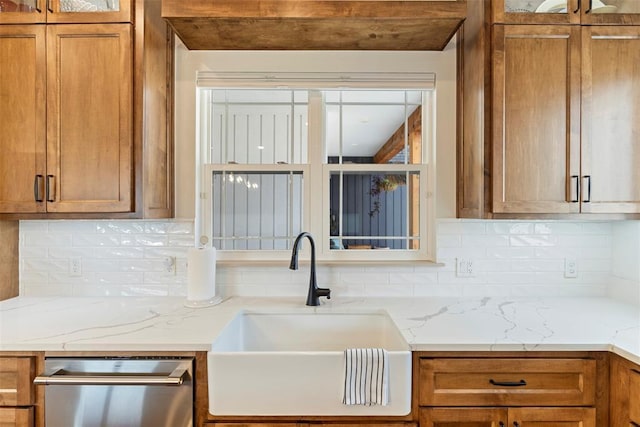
(507, 391)
(16, 417)
(17, 393)
(314, 423)
(634, 396)
(624, 387)
(502, 417)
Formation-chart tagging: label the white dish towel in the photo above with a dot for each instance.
(366, 377)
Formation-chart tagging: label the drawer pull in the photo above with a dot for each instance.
(516, 424)
(520, 383)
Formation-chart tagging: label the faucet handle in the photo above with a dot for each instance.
(324, 292)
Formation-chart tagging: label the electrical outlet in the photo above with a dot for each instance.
(169, 263)
(465, 267)
(75, 266)
(570, 268)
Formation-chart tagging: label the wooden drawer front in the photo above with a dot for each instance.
(16, 381)
(634, 396)
(485, 382)
(16, 417)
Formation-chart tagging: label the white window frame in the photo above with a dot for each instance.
(316, 171)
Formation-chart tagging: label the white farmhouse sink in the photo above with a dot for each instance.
(293, 363)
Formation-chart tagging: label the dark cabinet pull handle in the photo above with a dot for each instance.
(590, 6)
(51, 193)
(588, 178)
(38, 9)
(49, 6)
(579, 6)
(634, 424)
(577, 178)
(500, 424)
(516, 424)
(520, 383)
(37, 185)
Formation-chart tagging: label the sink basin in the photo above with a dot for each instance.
(292, 363)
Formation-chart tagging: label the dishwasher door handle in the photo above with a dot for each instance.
(59, 377)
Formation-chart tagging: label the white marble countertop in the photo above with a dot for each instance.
(433, 324)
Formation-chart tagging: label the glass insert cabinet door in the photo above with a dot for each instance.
(24, 6)
(89, 6)
(64, 11)
(566, 11)
(22, 11)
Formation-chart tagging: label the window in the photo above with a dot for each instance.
(352, 165)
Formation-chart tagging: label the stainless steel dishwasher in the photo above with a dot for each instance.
(118, 392)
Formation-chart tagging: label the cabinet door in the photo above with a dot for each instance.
(22, 11)
(16, 377)
(615, 12)
(89, 11)
(552, 417)
(257, 424)
(22, 118)
(16, 417)
(463, 417)
(536, 118)
(634, 395)
(89, 118)
(536, 11)
(610, 119)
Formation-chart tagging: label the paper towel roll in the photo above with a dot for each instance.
(201, 277)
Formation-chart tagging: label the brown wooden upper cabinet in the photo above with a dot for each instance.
(66, 108)
(65, 11)
(565, 127)
(618, 12)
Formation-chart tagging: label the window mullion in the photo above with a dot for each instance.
(317, 202)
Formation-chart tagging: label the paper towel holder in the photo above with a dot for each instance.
(203, 303)
(198, 299)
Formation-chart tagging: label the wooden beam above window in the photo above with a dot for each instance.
(314, 24)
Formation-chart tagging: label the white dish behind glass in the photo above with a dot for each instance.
(88, 5)
(560, 6)
(553, 6)
(523, 6)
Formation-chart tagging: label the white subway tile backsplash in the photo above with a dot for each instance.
(95, 240)
(510, 258)
(155, 240)
(120, 227)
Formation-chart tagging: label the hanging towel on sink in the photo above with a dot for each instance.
(366, 376)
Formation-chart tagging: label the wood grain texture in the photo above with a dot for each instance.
(610, 125)
(16, 381)
(123, 14)
(634, 394)
(153, 114)
(463, 417)
(314, 25)
(474, 113)
(624, 392)
(499, 15)
(23, 117)
(467, 382)
(536, 118)
(89, 132)
(16, 417)
(9, 259)
(552, 417)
